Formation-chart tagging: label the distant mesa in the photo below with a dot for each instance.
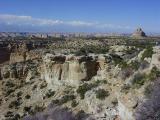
(139, 33)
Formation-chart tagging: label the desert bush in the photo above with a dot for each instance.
(147, 53)
(9, 84)
(43, 85)
(64, 99)
(74, 103)
(101, 82)
(155, 73)
(91, 49)
(38, 108)
(117, 59)
(102, 94)
(67, 98)
(139, 80)
(125, 88)
(84, 88)
(27, 96)
(115, 102)
(28, 109)
(50, 93)
(19, 93)
(34, 87)
(134, 65)
(14, 104)
(9, 91)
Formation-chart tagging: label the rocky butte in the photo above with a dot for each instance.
(139, 33)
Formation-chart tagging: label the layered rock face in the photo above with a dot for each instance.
(71, 70)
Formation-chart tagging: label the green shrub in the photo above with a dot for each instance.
(64, 99)
(134, 65)
(155, 73)
(115, 102)
(38, 109)
(67, 98)
(14, 104)
(43, 85)
(27, 96)
(125, 89)
(50, 93)
(55, 101)
(74, 103)
(139, 80)
(147, 53)
(102, 94)
(85, 87)
(101, 82)
(116, 59)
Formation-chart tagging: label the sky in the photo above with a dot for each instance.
(79, 15)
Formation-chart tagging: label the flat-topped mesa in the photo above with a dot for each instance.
(139, 33)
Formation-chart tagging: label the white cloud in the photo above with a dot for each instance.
(27, 20)
(81, 23)
(31, 21)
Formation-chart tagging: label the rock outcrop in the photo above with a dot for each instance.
(21, 53)
(61, 69)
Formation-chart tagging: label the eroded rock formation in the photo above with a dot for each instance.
(61, 69)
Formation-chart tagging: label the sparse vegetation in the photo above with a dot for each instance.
(115, 102)
(147, 53)
(49, 94)
(43, 85)
(117, 59)
(125, 88)
(64, 99)
(74, 103)
(134, 65)
(91, 49)
(102, 94)
(27, 96)
(85, 87)
(14, 104)
(67, 98)
(139, 80)
(101, 82)
(155, 73)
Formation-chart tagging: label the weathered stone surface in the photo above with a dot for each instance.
(60, 69)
